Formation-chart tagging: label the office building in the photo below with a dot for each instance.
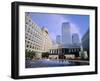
(75, 39)
(85, 42)
(66, 33)
(69, 47)
(36, 38)
(58, 39)
(47, 42)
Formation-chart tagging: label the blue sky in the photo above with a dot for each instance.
(79, 23)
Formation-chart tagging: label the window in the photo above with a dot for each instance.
(25, 37)
(33, 47)
(29, 20)
(28, 42)
(72, 50)
(77, 49)
(30, 46)
(26, 22)
(69, 50)
(27, 46)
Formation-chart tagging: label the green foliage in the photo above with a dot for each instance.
(29, 54)
(45, 54)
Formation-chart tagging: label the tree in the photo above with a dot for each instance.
(45, 54)
(29, 54)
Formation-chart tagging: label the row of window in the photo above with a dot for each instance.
(34, 34)
(33, 37)
(28, 27)
(36, 47)
(33, 42)
(29, 23)
(65, 51)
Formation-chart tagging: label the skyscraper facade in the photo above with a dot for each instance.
(85, 42)
(58, 39)
(66, 33)
(75, 38)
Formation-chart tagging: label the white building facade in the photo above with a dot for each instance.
(36, 38)
(46, 40)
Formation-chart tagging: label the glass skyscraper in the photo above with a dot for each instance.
(75, 38)
(58, 39)
(66, 33)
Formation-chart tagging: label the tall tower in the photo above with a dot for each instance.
(75, 38)
(58, 39)
(66, 33)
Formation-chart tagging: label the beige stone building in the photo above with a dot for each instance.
(36, 38)
(47, 42)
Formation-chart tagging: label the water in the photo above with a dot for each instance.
(52, 63)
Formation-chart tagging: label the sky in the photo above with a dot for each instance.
(53, 22)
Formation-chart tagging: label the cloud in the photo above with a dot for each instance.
(57, 21)
(54, 23)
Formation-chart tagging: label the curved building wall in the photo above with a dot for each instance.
(36, 39)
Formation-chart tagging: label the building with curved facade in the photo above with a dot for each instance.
(36, 38)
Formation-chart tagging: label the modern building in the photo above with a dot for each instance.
(68, 51)
(85, 42)
(58, 39)
(75, 39)
(70, 45)
(36, 38)
(66, 33)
